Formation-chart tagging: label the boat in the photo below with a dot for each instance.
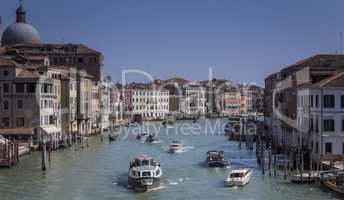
(139, 136)
(216, 159)
(144, 174)
(333, 181)
(152, 139)
(113, 136)
(238, 177)
(311, 177)
(169, 121)
(227, 129)
(175, 147)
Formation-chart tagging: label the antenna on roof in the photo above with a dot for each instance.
(340, 42)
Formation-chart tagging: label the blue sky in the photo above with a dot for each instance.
(242, 40)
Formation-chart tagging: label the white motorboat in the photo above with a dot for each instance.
(175, 147)
(238, 177)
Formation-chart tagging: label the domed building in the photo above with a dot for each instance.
(20, 32)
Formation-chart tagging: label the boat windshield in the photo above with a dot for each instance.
(237, 175)
(145, 162)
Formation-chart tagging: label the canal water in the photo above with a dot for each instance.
(100, 170)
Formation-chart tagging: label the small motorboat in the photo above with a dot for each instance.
(139, 136)
(333, 180)
(144, 174)
(306, 178)
(152, 139)
(238, 177)
(216, 159)
(175, 147)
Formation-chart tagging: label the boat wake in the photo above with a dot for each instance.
(182, 150)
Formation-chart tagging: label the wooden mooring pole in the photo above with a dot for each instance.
(44, 153)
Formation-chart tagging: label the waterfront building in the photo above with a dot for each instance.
(30, 100)
(281, 94)
(175, 88)
(194, 100)
(105, 106)
(230, 101)
(116, 104)
(148, 101)
(68, 102)
(95, 108)
(22, 40)
(252, 97)
(320, 118)
(84, 103)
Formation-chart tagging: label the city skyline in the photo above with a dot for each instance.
(170, 39)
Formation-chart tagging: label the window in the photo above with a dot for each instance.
(311, 97)
(328, 101)
(51, 119)
(6, 88)
(316, 147)
(19, 87)
(311, 124)
(20, 122)
(343, 125)
(5, 105)
(5, 122)
(328, 147)
(329, 125)
(20, 104)
(316, 101)
(5, 73)
(31, 87)
(342, 101)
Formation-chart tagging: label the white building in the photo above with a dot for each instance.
(105, 108)
(150, 103)
(320, 112)
(194, 100)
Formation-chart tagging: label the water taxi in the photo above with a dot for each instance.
(175, 147)
(216, 159)
(144, 174)
(238, 177)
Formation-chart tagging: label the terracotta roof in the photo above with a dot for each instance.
(81, 47)
(318, 61)
(26, 74)
(336, 80)
(177, 80)
(16, 131)
(6, 62)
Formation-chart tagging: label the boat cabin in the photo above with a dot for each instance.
(215, 155)
(143, 161)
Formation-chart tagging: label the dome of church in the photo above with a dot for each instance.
(20, 32)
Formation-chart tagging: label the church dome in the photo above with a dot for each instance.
(20, 32)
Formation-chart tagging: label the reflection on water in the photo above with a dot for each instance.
(100, 172)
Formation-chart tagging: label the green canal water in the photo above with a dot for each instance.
(100, 170)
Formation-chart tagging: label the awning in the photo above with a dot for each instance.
(16, 131)
(51, 130)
